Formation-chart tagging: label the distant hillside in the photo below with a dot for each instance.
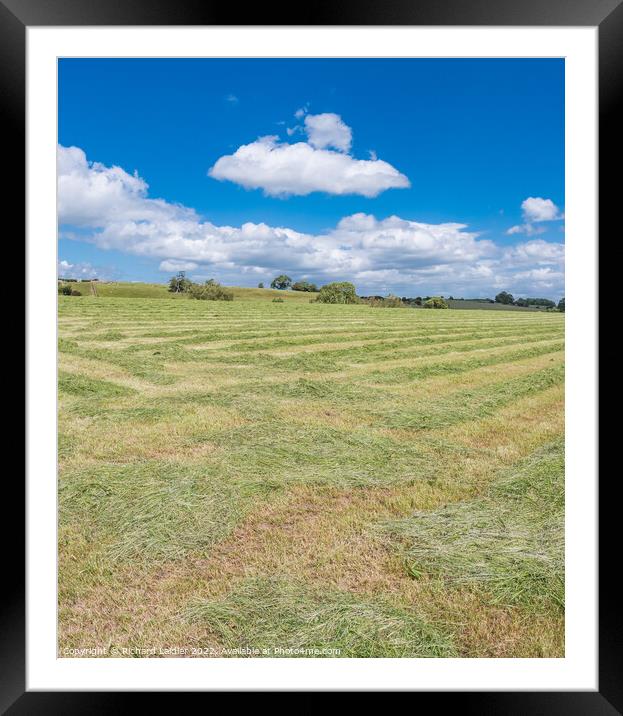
(481, 305)
(121, 289)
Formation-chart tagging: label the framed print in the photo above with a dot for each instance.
(305, 409)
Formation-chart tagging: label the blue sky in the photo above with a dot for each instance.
(415, 176)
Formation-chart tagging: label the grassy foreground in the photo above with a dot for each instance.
(294, 479)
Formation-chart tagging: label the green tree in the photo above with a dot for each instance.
(523, 302)
(281, 282)
(505, 298)
(561, 305)
(338, 292)
(260, 285)
(543, 302)
(179, 283)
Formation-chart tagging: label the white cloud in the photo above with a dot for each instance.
(537, 251)
(299, 169)
(66, 269)
(536, 209)
(541, 279)
(328, 130)
(527, 229)
(408, 257)
(232, 99)
(323, 163)
(91, 194)
(174, 265)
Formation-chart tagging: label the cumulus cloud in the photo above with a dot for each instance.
(114, 211)
(537, 251)
(174, 265)
(66, 269)
(323, 163)
(91, 194)
(328, 130)
(535, 209)
(299, 169)
(542, 280)
(527, 229)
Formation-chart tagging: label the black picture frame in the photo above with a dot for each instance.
(17, 15)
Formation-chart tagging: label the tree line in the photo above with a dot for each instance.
(507, 299)
(345, 292)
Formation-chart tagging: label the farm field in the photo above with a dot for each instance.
(330, 480)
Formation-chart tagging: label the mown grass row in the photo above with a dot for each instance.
(509, 542)
(152, 364)
(238, 335)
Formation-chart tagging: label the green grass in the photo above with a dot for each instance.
(510, 542)
(268, 613)
(124, 289)
(153, 510)
(82, 386)
(227, 473)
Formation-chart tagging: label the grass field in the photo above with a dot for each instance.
(300, 476)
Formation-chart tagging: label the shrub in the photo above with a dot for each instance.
(260, 285)
(278, 299)
(373, 301)
(75, 292)
(391, 301)
(65, 290)
(435, 302)
(338, 292)
(304, 286)
(210, 291)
